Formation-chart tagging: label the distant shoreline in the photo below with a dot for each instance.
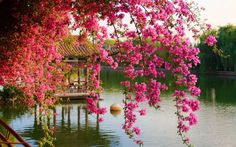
(217, 73)
(220, 73)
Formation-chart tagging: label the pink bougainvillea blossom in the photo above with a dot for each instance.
(211, 40)
(150, 46)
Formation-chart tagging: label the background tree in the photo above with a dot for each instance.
(220, 57)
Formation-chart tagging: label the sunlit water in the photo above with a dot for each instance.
(216, 127)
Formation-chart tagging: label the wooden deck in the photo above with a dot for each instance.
(72, 96)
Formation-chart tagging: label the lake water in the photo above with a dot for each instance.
(216, 127)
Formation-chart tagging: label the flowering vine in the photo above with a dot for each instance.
(150, 36)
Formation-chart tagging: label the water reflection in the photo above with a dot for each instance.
(10, 112)
(215, 89)
(111, 80)
(77, 128)
(74, 127)
(218, 89)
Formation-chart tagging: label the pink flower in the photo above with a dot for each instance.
(131, 34)
(136, 130)
(121, 16)
(90, 101)
(140, 87)
(96, 83)
(100, 119)
(97, 67)
(182, 127)
(193, 78)
(115, 65)
(131, 106)
(211, 40)
(140, 96)
(167, 66)
(185, 108)
(139, 142)
(142, 112)
(195, 91)
(109, 60)
(101, 111)
(194, 104)
(158, 61)
(103, 53)
(125, 83)
(192, 119)
(178, 93)
(187, 139)
(208, 26)
(31, 102)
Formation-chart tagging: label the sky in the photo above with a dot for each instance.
(219, 12)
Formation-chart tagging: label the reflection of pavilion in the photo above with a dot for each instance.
(73, 127)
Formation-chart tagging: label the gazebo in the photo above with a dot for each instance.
(78, 56)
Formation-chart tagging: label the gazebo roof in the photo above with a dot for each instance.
(81, 51)
(76, 50)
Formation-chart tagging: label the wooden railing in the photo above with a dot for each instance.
(5, 138)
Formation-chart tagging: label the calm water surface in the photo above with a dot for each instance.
(216, 128)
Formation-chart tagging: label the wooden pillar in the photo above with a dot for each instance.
(86, 79)
(98, 77)
(62, 116)
(78, 117)
(62, 113)
(35, 115)
(97, 121)
(79, 71)
(54, 118)
(68, 121)
(86, 118)
(48, 121)
(40, 115)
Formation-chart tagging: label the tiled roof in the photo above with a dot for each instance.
(76, 51)
(82, 51)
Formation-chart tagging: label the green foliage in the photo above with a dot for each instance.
(110, 42)
(222, 56)
(69, 40)
(10, 93)
(48, 138)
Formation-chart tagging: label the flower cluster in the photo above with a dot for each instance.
(211, 40)
(29, 58)
(155, 43)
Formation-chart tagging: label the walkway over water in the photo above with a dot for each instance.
(72, 96)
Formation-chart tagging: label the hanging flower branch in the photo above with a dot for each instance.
(151, 38)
